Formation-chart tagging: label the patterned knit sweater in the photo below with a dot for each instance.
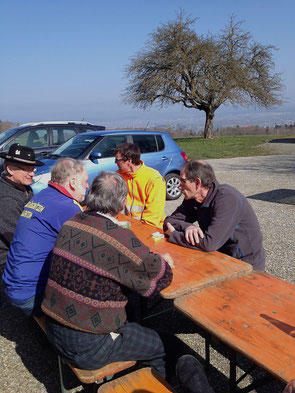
(92, 260)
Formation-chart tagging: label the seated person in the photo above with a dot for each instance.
(15, 191)
(146, 187)
(27, 263)
(93, 261)
(227, 222)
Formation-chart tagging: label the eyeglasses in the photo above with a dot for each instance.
(26, 169)
(120, 159)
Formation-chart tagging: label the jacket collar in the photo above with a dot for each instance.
(211, 194)
(60, 188)
(139, 170)
(20, 187)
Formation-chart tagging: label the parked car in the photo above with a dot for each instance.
(44, 137)
(96, 150)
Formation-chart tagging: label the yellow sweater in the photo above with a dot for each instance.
(146, 195)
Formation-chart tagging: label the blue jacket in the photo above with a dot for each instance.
(27, 263)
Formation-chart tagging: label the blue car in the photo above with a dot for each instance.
(96, 150)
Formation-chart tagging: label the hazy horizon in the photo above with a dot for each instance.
(66, 60)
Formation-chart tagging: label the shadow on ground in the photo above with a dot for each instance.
(282, 140)
(281, 195)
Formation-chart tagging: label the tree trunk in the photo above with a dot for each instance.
(209, 124)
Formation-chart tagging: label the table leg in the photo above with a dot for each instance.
(233, 371)
(207, 350)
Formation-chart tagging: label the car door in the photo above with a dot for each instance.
(61, 134)
(106, 150)
(34, 137)
(152, 150)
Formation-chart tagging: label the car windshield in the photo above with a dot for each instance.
(7, 134)
(74, 146)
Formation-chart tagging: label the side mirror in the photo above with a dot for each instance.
(95, 155)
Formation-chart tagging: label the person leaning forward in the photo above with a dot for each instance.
(146, 187)
(227, 222)
(27, 263)
(15, 191)
(94, 260)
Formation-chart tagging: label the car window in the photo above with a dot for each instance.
(75, 146)
(7, 134)
(106, 147)
(146, 143)
(160, 142)
(36, 137)
(62, 134)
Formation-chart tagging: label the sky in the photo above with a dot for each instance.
(66, 59)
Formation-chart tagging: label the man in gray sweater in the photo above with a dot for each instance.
(227, 222)
(15, 191)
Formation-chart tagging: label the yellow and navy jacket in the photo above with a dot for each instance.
(146, 195)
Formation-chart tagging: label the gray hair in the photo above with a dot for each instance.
(199, 169)
(107, 193)
(64, 169)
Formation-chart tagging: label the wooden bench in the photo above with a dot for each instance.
(143, 380)
(88, 376)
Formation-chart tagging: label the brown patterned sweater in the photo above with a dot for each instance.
(92, 259)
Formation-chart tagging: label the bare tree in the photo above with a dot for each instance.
(202, 72)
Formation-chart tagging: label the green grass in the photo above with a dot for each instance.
(227, 146)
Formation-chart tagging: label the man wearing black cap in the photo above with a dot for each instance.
(15, 191)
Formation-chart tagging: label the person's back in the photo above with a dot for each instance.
(94, 264)
(36, 232)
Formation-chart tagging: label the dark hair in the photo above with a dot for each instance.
(200, 169)
(130, 151)
(107, 193)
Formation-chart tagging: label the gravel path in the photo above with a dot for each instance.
(29, 365)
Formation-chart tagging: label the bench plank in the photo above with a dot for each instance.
(143, 380)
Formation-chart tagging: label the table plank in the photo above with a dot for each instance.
(193, 269)
(254, 314)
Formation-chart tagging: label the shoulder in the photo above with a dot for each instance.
(150, 173)
(228, 190)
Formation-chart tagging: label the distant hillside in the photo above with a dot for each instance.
(5, 125)
(256, 130)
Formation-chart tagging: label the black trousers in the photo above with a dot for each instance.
(91, 351)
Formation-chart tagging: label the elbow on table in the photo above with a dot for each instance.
(208, 247)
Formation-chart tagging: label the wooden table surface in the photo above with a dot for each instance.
(254, 314)
(193, 269)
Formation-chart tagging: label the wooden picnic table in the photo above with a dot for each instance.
(254, 315)
(193, 269)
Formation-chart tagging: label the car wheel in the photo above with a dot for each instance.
(172, 184)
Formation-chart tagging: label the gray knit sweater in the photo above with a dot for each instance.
(13, 198)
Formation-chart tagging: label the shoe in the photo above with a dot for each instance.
(191, 376)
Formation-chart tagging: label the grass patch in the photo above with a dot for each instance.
(227, 146)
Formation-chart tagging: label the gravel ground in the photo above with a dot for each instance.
(28, 364)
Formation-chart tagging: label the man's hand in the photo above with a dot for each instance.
(290, 388)
(170, 229)
(193, 234)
